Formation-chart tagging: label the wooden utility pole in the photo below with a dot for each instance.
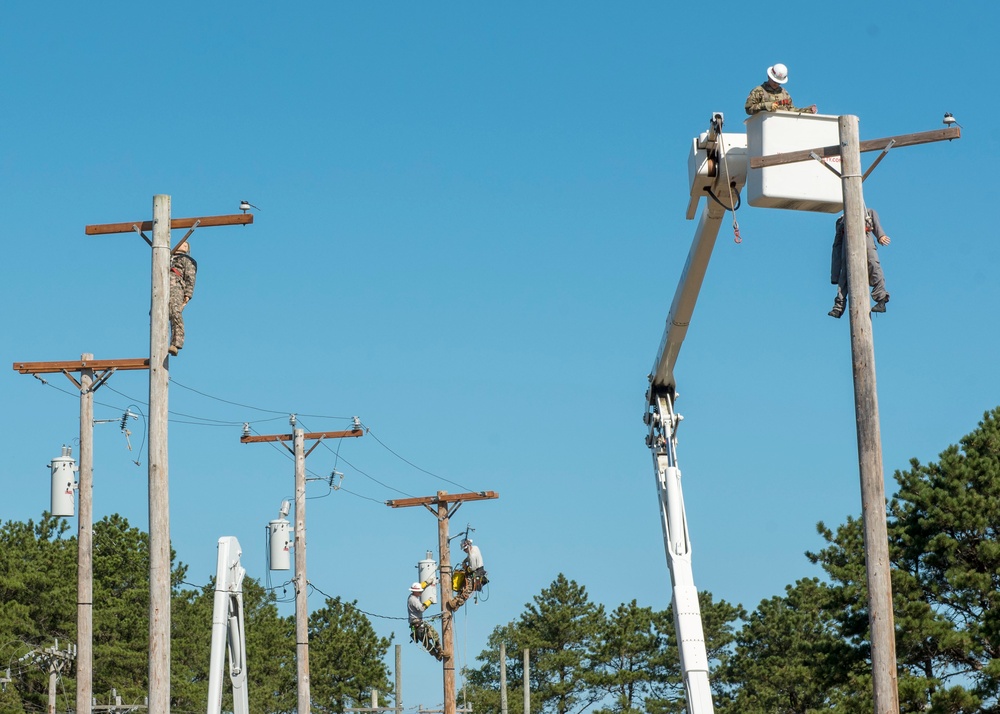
(399, 679)
(880, 615)
(159, 377)
(93, 374)
(298, 437)
(444, 505)
(503, 678)
(525, 686)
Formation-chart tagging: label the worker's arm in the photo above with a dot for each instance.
(190, 270)
(758, 102)
(880, 235)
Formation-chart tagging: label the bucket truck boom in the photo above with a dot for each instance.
(717, 168)
(227, 629)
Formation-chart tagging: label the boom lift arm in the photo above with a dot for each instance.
(227, 629)
(717, 168)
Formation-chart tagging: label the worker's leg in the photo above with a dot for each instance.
(175, 311)
(840, 301)
(836, 259)
(875, 276)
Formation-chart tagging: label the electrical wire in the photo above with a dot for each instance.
(205, 421)
(358, 609)
(406, 461)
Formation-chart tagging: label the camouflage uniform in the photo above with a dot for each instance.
(183, 269)
(762, 97)
(838, 261)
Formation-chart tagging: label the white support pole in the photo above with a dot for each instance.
(159, 503)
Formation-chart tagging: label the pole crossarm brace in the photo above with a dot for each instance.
(446, 498)
(792, 157)
(236, 219)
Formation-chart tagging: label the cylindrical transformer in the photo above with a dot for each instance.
(427, 570)
(280, 545)
(63, 483)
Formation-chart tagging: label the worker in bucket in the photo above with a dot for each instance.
(838, 263)
(470, 576)
(771, 95)
(420, 631)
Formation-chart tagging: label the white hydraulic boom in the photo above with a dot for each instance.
(227, 629)
(717, 168)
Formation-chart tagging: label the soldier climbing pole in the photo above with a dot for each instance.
(159, 376)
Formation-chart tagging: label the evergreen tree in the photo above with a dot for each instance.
(346, 657)
(944, 542)
(626, 659)
(790, 656)
(560, 627)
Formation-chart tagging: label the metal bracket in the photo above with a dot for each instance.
(814, 155)
(878, 159)
(142, 235)
(186, 236)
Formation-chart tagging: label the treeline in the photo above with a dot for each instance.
(804, 651)
(38, 604)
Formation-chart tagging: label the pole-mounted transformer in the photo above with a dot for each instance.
(427, 572)
(63, 483)
(278, 531)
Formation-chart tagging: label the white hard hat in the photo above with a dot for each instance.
(416, 588)
(467, 542)
(778, 73)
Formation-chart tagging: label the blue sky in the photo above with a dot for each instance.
(471, 229)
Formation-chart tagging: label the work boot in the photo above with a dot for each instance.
(880, 304)
(837, 311)
(173, 349)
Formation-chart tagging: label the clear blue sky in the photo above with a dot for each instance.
(471, 231)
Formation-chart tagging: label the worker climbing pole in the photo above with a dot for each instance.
(469, 577)
(442, 506)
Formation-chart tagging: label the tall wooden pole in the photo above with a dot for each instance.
(301, 595)
(399, 679)
(159, 503)
(503, 678)
(880, 615)
(447, 632)
(298, 438)
(525, 685)
(85, 547)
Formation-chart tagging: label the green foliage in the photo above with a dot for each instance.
(944, 544)
(581, 657)
(790, 656)
(38, 604)
(346, 657)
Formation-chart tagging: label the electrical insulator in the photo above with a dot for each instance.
(427, 570)
(63, 483)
